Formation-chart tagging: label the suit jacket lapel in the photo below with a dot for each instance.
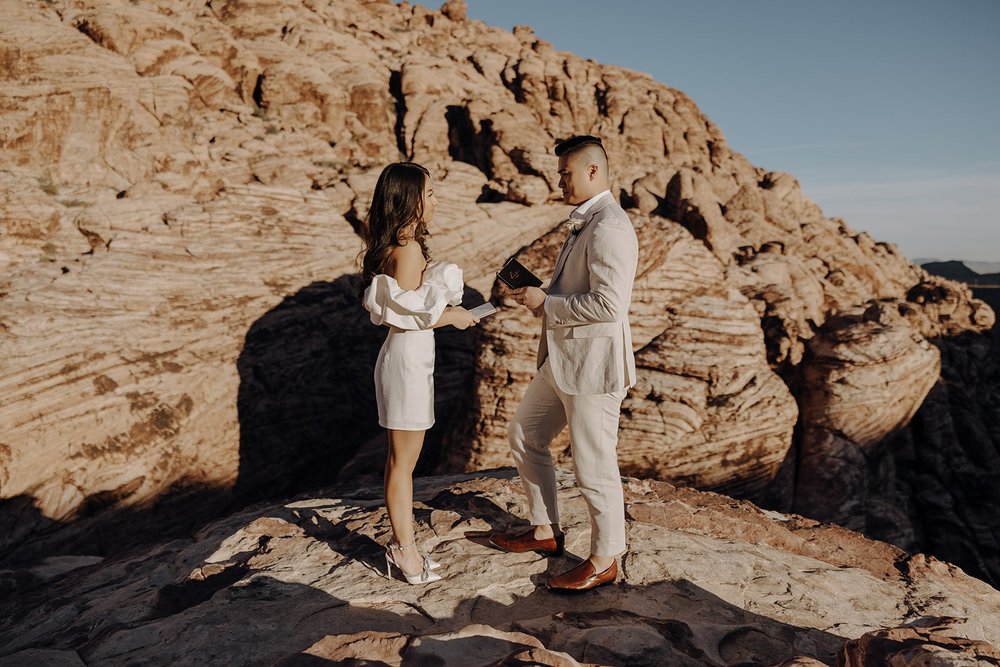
(563, 254)
(572, 238)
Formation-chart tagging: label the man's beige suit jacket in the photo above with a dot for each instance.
(586, 333)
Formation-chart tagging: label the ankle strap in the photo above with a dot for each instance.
(400, 547)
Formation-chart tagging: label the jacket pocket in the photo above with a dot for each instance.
(589, 366)
(597, 330)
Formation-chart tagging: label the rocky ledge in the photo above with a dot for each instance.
(181, 183)
(707, 581)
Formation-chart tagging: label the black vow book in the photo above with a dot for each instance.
(515, 276)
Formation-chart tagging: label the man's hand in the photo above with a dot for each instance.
(530, 297)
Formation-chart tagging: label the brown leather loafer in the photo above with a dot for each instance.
(583, 577)
(522, 542)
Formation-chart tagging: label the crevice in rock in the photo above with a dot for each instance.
(258, 93)
(626, 200)
(601, 99)
(175, 598)
(693, 221)
(420, 610)
(490, 195)
(676, 207)
(465, 143)
(94, 240)
(396, 90)
(667, 124)
(92, 33)
(475, 63)
(352, 216)
(520, 159)
(516, 84)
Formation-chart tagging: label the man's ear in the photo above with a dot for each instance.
(592, 171)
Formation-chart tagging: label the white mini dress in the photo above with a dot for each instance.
(404, 372)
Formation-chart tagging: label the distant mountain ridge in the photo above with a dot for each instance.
(960, 270)
(983, 267)
(978, 267)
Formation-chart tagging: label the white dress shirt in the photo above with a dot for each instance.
(581, 210)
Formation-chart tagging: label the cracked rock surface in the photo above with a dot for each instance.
(706, 581)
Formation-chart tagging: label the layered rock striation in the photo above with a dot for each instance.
(181, 186)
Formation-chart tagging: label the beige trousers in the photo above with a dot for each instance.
(593, 436)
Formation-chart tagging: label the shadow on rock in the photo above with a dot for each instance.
(38, 549)
(339, 535)
(306, 399)
(291, 574)
(659, 623)
(932, 485)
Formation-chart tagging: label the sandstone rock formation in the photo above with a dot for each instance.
(727, 424)
(181, 186)
(944, 468)
(707, 581)
(180, 314)
(865, 377)
(930, 641)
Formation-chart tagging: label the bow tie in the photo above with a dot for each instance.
(574, 225)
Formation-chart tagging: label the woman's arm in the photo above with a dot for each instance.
(457, 317)
(408, 270)
(408, 265)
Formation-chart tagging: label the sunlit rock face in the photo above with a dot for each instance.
(181, 184)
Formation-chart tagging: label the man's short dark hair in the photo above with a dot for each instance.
(573, 144)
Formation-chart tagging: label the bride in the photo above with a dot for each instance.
(412, 295)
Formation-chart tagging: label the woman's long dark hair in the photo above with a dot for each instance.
(398, 201)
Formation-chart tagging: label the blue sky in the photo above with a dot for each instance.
(887, 111)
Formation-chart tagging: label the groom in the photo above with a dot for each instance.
(585, 366)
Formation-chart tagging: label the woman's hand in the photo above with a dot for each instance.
(457, 317)
(461, 318)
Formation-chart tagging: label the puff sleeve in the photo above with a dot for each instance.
(389, 304)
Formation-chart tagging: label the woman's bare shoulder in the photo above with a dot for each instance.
(406, 253)
(408, 264)
(407, 250)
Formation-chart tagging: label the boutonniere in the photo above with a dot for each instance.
(574, 225)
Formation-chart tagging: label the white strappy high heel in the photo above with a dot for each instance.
(426, 575)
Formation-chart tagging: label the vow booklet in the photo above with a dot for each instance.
(515, 275)
(483, 310)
